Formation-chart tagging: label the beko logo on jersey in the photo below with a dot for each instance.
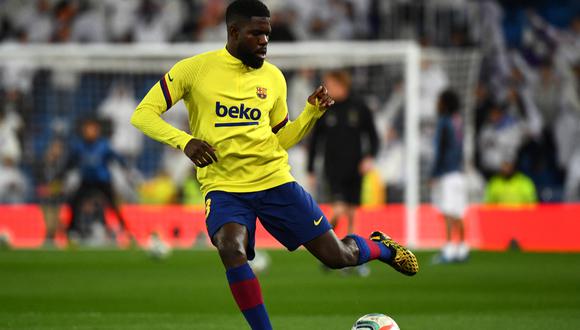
(237, 112)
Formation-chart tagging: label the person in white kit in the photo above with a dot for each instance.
(448, 181)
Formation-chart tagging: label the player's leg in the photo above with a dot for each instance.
(108, 192)
(75, 204)
(290, 214)
(355, 250)
(460, 229)
(448, 228)
(233, 236)
(462, 249)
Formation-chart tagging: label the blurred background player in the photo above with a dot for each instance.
(448, 182)
(348, 141)
(92, 155)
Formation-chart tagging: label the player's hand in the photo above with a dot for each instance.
(200, 152)
(321, 97)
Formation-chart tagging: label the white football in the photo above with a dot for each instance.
(375, 322)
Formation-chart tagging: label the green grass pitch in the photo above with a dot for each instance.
(126, 290)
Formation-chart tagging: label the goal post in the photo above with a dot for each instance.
(141, 62)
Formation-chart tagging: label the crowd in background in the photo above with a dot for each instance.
(527, 100)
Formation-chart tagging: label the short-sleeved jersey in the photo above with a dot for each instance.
(236, 109)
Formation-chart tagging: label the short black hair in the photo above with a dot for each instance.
(245, 9)
(450, 101)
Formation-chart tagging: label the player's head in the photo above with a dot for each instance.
(248, 23)
(90, 129)
(448, 102)
(338, 83)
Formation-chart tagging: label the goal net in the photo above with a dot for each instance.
(399, 81)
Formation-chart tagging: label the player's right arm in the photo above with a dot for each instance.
(171, 88)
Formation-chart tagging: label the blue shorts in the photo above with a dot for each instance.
(287, 212)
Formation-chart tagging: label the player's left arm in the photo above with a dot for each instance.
(161, 97)
(291, 132)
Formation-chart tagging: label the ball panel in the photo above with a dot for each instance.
(375, 321)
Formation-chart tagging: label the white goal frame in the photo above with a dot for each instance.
(160, 58)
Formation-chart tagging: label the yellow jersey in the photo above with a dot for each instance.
(238, 110)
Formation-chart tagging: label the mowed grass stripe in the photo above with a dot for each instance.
(127, 290)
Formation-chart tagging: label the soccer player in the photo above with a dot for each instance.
(91, 155)
(240, 132)
(448, 180)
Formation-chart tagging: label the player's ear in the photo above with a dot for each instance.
(233, 31)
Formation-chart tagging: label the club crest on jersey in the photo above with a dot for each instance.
(262, 92)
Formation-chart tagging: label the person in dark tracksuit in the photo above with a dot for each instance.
(348, 141)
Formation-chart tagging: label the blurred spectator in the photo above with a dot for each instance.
(13, 183)
(212, 25)
(300, 86)
(120, 17)
(572, 185)
(92, 154)
(495, 66)
(568, 135)
(547, 93)
(65, 13)
(390, 163)
(391, 155)
(518, 97)
(118, 107)
(348, 141)
(35, 21)
(150, 26)
(433, 82)
(510, 187)
(89, 25)
(282, 22)
(50, 192)
(501, 134)
(336, 22)
(448, 179)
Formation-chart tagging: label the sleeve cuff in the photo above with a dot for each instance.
(314, 110)
(183, 140)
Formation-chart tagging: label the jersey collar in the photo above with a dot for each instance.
(234, 61)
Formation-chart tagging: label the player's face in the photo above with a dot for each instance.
(336, 89)
(253, 41)
(91, 131)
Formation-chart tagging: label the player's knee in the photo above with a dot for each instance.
(231, 253)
